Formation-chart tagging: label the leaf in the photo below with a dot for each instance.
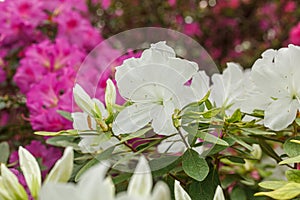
(268, 150)
(135, 134)
(64, 141)
(65, 114)
(290, 160)
(288, 191)
(235, 159)
(64, 132)
(235, 117)
(238, 194)
(241, 142)
(211, 138)
(4, 149)
(255, 131)
(292, 149)
(194, 165)
(297, 120)
(293, 175)
(205, 189)
(272, 185)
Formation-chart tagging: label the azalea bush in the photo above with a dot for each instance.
(83, 118)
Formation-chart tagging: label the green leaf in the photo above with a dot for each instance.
(235, 159)
(217, 148)
(194, 165)
(255, 131)
(292, 149)
(272, 185)
(4, 149)
(64, 141)
(297, 120)
(238, 193)
(65, 114)
(211, 138)
(135, 134)
(241, 142)
(268, 150)
(290, 160)
(293, 175)
(63, 132)
(288, 191)
(205, 189)
(235, 117)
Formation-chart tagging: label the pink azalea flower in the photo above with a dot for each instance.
(45, 98)
(77, 30)
(58, 6)
(294, 37)
(43, 58)
(2, 75)
(192, 29)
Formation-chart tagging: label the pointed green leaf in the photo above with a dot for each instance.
(290, 160)
(288, 191)
(272, 185)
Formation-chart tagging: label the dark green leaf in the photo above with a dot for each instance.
(205, 189)
(235, 159)
(269, 150)
(238, 193)
(194, 165)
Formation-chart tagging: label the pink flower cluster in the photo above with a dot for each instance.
(46, 76)
(52, 37)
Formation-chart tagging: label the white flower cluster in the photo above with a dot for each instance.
(158, 83)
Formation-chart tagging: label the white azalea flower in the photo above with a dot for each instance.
(85, 122)
(276, 87)
(229, 88)
(94, 185)
(140, 185)
(219, 194)
(10, 188)
(155, 84)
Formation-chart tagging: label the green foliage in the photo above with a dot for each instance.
(194, 166)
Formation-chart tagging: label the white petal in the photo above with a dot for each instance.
(180, 193)
(132, 118)
(31, 171)
(4, 195)
(62, 170)
(141, 182)
(82, 121)
(59, 191)
(281, 113)
(91, 185)
(200, 85)
(161, 191)
(162, 121)
(82, 99)
(110, 95)
(219, 194)
(12, 185)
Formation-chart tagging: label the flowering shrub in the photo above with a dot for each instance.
(149, 115)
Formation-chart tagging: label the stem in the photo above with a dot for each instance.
(183, 139)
